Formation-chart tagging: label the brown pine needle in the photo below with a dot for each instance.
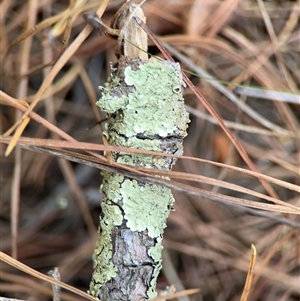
(250, 275)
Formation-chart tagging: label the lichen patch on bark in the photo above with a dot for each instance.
(145, 109)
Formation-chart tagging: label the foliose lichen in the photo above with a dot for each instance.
(149, 109)
(155, 107)
(112, 216)
(146, 207)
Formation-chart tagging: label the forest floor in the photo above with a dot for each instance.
(243, 57)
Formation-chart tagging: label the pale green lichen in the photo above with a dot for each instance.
(111, 186)
(151, 292)
(112, 81)
(155, 253)
(104, 269)
(157, 91)
(143, 109)
(146, 207)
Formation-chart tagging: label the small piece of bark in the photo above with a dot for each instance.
(145, 109)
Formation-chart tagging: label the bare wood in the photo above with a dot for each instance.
(136, 43)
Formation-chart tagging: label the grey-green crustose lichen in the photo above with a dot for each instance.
(146, 111)
(146, 207)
